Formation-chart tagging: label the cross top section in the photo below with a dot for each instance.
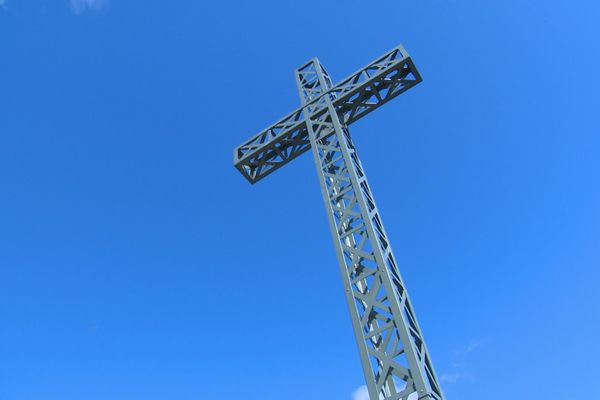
(354, 97)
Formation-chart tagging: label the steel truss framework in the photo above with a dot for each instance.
(393, 353)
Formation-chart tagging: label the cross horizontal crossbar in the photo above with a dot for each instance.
(354, 97)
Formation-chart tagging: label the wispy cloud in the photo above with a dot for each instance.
(460, 370)
(79, 6)
(472, 346)
(455, 377)
(361, 393)
(2, 3)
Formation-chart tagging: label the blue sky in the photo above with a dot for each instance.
(136, 263)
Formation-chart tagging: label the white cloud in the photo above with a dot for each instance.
(361, 393)
(460, 372)
(472, 346)
(79, 6)
(451, 378)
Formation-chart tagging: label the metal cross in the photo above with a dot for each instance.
(393, 354)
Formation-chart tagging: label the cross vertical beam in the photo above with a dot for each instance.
(393, 354)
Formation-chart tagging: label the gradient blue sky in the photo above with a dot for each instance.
(136, 263)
